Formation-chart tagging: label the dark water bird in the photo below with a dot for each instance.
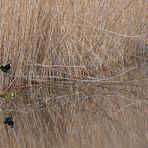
(9, 121)
(6, 68)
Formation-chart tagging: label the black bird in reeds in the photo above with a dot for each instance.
(9, 121)
(6, 68)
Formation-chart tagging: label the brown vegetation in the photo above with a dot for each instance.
(79, 73)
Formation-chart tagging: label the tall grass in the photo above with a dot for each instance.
(78, 71)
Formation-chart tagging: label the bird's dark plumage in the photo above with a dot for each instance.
(9, 121)
(6, 67)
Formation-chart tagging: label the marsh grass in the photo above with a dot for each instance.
(79, 73)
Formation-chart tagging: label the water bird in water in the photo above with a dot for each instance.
(6, 68)
(9, 121)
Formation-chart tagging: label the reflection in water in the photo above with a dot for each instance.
(9, 121)
(83, 113)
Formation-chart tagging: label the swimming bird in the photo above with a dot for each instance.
(6, 68)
